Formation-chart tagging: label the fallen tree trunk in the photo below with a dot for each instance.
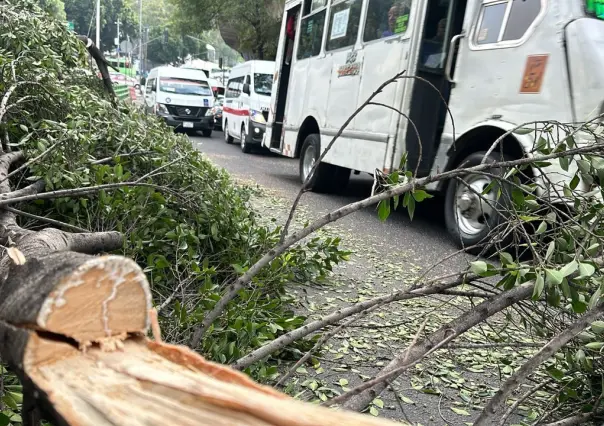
(73, 327)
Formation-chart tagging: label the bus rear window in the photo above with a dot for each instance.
(595, 8)
(183, 86)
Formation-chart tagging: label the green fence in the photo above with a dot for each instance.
(122, 91)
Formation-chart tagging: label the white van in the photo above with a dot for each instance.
(182, 97)
(246, 103)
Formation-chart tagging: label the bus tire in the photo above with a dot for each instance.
(227, 137)
(327, 177)
(470, 220)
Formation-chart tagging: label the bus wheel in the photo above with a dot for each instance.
(327, 177)
(474, 218)
(227, 138)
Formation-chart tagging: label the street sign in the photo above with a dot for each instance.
(126, 47)
(70, 26)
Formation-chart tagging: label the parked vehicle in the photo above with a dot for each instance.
(246, 103)
(216, 112)
(182, 97)
(497, 63)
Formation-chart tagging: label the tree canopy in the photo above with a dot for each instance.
(82, 13)
(248, 26)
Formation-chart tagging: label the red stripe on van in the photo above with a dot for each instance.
(242, 112)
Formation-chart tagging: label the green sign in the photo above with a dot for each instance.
(595, 7)
(70, 26)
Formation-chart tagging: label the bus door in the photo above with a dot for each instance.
(443, 21)
(283, 70)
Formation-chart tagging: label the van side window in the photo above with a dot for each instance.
(234, 87)
(495, 27)
(344, 22)
(386, 18)
(311, 34)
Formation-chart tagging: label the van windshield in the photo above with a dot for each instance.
(595, 8)
(263, 84)
(183, 86)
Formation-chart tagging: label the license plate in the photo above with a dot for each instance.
(187, 125)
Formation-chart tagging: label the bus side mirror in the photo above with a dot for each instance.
(246, 88)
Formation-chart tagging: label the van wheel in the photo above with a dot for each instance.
(327, 177)
(227, 138)
(474, 218)
(207, 133)
(245, 147)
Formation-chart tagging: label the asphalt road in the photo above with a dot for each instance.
(425, 238)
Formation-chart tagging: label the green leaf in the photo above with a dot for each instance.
(579, 307)
(406, 400)
(506, 258)
(374, 411)
(542, 228)
(479, 267)
(595, 298)
(574, 182)
(384, 210)
(584, 166)
(378, 403)
(539, 286)
(523, 131)
(564, 163)
(553, 277)
(24, 128)
(586, 270)
(596, 346)
(4, 420)
(550, 250)
(569, 268)
(343, 382)
(555, 373)
(411, 207)
(597, 327)
(460, 411)
(420, 195)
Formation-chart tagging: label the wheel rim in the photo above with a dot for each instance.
(309, 161)
(473, 208)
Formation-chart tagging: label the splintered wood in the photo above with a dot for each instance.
(145, 383)
(89, 358)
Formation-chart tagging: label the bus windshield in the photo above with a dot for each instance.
(183, 86)
(263, 84)
(595, 8)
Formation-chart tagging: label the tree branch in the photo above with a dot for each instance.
(292, 336)
(491, 411)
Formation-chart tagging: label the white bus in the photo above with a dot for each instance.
(498, 64)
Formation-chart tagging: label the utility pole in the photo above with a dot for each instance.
(140, 36)
(98, 23)
(117, 43)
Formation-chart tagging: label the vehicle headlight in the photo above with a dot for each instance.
(257, 116)
(162, 109)
(209, 112)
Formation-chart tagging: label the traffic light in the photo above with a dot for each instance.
(165, 35)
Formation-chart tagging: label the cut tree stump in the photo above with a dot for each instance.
(74, 328)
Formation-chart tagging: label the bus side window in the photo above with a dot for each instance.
(522, 14)
(311, 35)
(386, 18)
(344, 21)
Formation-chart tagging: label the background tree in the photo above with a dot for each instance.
(54, 7)
(250, 27)
(82, 13)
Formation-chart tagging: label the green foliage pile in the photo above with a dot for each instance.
(192, 233)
